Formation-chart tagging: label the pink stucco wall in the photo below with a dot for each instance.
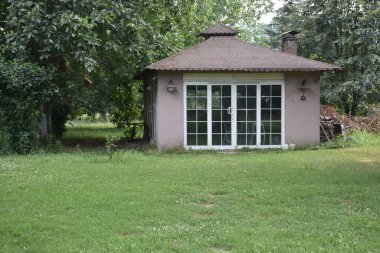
(169, 111)
(302, 117)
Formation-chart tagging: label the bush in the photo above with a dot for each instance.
(24, 88)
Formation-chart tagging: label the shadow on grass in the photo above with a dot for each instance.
(95, 137)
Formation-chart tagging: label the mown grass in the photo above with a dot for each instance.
(278, 201)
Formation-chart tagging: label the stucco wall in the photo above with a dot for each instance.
(169, 111)
(302, 117)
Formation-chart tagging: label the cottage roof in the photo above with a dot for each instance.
(219, 30)
(222, 51)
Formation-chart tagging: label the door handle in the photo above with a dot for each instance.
(229, 110)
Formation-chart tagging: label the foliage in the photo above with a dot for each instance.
(24, 88)
(111, 145)
(299, 201)
(344, 33)
(96, 46)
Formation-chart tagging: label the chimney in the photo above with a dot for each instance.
(290, 42)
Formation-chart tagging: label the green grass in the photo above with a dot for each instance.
(89, 133)
(276, 201)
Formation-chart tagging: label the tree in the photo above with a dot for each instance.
(345, 33)
(96, 46)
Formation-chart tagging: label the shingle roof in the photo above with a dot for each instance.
(219, 30)
(227, 53)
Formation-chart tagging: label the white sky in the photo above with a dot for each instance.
(266, 19)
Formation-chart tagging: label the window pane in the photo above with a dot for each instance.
(202, 139)
(251, 90)
(191, 90)
(251, 127)
(191, 103)
(216, 127)
(251, 115)
(241, 90)
(216, 90)
(226, 90)
(226, 127)
(202, 127)
(265, 90)
(191, 115)
(276, 139)
(241, 127)
(216, 115)
(265, 139)
(216, 139)
(276, 102)
(276, 90)
(276, 127)
(226, 102)
(202, 90)
(202, 115)
(216, 102)
(265, 102)
(276, 114)
(201, 103)
(191, 139)
(265, 127)
(226, 116)
(241, 103)
(226, 139)
(265, 114)
(251, 103)
(191, 127)
(241, 139)
(241, 115)
(251, 139)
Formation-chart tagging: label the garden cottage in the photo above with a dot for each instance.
(224, 93)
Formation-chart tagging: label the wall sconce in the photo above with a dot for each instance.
(303, 88)
(171, 86)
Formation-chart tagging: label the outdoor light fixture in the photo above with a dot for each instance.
(171, 86)
(303, 89)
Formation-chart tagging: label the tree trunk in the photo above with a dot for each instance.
(346, 106)
(355, 103)
(45, 126)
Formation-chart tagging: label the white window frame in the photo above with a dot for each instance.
(234, 84)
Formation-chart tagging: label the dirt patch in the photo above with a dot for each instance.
(132, 233)
(204, 204)
(366, 160)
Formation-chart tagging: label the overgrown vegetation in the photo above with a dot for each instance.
(345, 33)
(96, 46)
(24, 89)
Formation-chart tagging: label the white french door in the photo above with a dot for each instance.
(225, 116)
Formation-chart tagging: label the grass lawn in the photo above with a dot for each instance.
(277, 201)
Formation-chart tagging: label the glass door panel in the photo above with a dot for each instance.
(246, 115)
(271, 126)
(221, 115)
(196, 100)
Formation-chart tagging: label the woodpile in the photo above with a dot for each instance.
(332, 123)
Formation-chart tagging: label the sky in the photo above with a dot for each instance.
(266, 19)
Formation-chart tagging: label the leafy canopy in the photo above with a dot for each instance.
(345, 33)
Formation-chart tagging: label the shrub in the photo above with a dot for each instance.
(24, 88)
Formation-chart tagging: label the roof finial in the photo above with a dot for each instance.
(218, 29)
